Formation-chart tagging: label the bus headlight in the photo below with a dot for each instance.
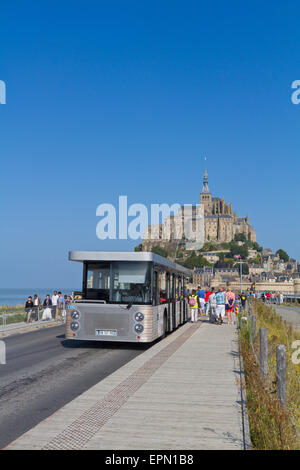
(74, 325)
(139, 316)
(75, 314)
(138, 328)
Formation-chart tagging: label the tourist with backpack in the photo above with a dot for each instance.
(230, 300)
(193, 306)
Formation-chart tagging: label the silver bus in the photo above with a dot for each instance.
(135, 297)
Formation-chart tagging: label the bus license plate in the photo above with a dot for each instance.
(106, 332)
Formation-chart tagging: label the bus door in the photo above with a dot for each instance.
(173, 301)
(179, 299)
(155, 300)
(169, 297)
(184, 300)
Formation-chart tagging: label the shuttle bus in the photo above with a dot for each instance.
(134, 297)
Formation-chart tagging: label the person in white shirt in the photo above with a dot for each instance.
(37, 303)
(54, 304)
(212, 306)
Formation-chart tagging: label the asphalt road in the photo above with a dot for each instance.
(290, 314)
(43, 372)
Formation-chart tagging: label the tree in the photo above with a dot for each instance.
(238, 250)
(229, 261)
(282, 255)
(221, 264)
(257, 247)
(225, 246)
(194, 261)
(256, 260)
(159, 251)
(138, 248)
(245, 268)
(208, 246)
(240, 237)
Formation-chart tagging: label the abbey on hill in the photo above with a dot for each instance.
(221, 223)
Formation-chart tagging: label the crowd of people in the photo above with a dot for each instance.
(270, 297)
(52, 307)
(216, 304)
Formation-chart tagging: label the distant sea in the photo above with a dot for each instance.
(12, 296)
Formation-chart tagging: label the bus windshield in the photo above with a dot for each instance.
(119, 282)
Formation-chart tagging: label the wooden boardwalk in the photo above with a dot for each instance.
(183, 393)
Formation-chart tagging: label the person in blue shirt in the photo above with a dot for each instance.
(201, 295)
(220, 308)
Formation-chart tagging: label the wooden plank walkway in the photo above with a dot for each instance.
(183, 393)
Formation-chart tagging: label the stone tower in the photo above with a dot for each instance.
(205, 195)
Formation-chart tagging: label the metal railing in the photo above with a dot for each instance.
(12, 318)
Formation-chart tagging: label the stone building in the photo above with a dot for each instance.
(212, 220)
(220, 222)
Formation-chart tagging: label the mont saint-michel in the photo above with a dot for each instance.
(221, 223)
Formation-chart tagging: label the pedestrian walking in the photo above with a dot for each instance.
(37, 303)
(28, 309)
(60, 304)
(212, 306)
(206, 303)
(243, 300)
(220, 309)
(201, 296)
(47, 313)
(47, 302)
(230, 300)
(54, 304)
(193, 306)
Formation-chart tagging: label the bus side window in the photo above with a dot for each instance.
(168, 287)
(179, 288)
(173, 287)
(162, 285)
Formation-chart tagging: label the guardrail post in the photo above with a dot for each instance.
(281, 373)
(253, 326)
(263, 336)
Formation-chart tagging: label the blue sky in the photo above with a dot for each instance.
(125, 98)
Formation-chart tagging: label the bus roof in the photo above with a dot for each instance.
(82, 256)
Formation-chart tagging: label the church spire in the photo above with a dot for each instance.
(205, 179)
(205, 188)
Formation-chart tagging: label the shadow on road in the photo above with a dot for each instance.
(83, 344)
